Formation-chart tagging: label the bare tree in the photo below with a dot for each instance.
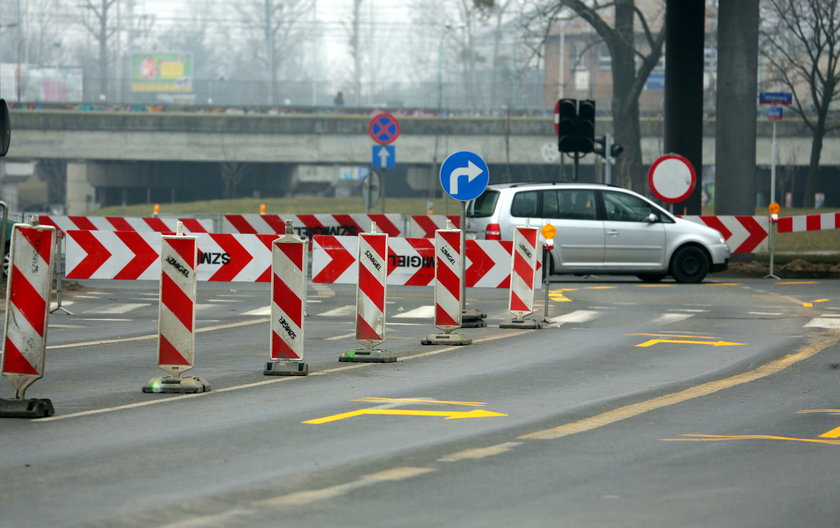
(635, 48)
(100, 20)
(803, 51)
(54, 174)
(275, 38)
(232, 173)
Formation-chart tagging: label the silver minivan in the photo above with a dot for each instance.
(601, 229)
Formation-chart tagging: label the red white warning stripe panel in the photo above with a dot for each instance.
(743, 234)
(524, 266)
(130, 255)
(288, 291)
(815, 222)
(28, 304)
(448, 279)
(411, 261)
(371, 288)
(424, 226)
(176, 315)
(309, 225)
(118, 223)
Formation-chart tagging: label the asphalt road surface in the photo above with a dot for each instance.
(640, 405)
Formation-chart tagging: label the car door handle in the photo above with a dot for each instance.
(612, 232)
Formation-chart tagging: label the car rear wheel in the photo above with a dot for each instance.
(651, 277)
(689, 265)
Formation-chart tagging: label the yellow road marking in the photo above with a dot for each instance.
(375, 399)
(629, 411)
(687, 342)
(655, 285)
(724, 438)
(819, 411)
(677, 335)
(450, 415)
(789, 283)
(601, 287)
(807, 305)
(722, 284)
(811, 304)
(834, 433)
(479, 452)
(557, 295)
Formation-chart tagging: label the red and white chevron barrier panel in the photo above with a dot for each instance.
(411, 261)
(115, 223)
(523, 271)
(815, 222)
(743, 234)
(371, 291)
(425, 226)
(127, 255)
(176, 316)
(288, 298)
(309, 225)
(27, 311)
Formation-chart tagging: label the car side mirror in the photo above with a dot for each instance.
(652, 218)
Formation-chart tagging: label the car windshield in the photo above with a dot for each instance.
(484, 205)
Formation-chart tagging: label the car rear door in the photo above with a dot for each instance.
(632, 241)
(579, 243)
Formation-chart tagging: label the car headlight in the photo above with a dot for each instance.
(722, 240)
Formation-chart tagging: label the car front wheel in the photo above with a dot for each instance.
(689, 265)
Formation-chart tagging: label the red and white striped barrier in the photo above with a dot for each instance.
(27, 311)
(523, 271)
(814, 222)
(425, 226)
(176, 316)
(114, 223)
(288, 298)
(743, 234)
(448, 263)
(309, 225)
(411, 262)
(372, 266)
(126, 255)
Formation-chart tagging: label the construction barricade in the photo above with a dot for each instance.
(371, 291)
(27, 311)
(449, 266)
(523, 277)
(176, 316)
(288, 299)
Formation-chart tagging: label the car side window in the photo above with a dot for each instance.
(621, 207)
(550, 207)
(524, 204)
(576, 204)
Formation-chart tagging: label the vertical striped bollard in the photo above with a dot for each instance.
(522, 278)
(27, 311)
(370, 299)
(176, 316)
(288, 298)
(448, 279)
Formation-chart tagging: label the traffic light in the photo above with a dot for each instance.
(586, 126)
(604, 144)
(5, 128)
(567, 126)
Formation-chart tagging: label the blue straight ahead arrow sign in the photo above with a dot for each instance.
(384, 157)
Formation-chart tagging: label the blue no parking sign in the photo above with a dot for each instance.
(464, 175)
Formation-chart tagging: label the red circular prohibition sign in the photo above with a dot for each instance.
(671, 178)
(384, 129)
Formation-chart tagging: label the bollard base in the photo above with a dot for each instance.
(446, 339)
(286, 368)
(472, 318)
(182, 385)
(368, 356)
(31, 408)
(525, 324)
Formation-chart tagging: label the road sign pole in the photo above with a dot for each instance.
(773, 166)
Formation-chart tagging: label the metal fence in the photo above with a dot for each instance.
(480, 98)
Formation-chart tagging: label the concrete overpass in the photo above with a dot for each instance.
(113, 156)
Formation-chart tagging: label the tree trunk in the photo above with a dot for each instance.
(812, 181)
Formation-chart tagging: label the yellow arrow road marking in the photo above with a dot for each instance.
(450, 415)
(688, 342)
(834, 433)
(677, 335)
(795, 283)
(414, 400)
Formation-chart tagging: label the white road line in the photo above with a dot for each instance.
(671, 318)
(480, 452)
(823, 322)
(262, 311)
(423, 312)
(118, 309)
(341, 311)
(765, 313)
(578, 316)
(342, 336)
